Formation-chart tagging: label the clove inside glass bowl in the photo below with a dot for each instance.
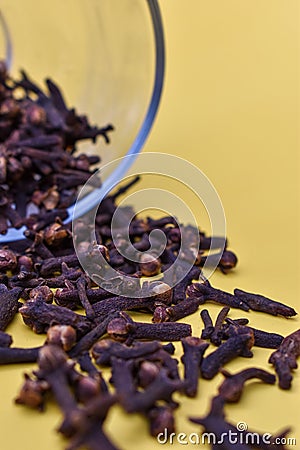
(108, 58)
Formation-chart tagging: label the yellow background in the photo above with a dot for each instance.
(230, 105)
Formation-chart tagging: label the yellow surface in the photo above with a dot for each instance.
(230, 106)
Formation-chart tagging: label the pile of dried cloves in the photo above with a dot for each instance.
(38, 169)
(42, 280)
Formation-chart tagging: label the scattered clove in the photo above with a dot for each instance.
(216, 336)
(261, 338)
(176, 312)
(70, 297)
(161, 388)
(14, 355)
(180, 288)
(161, 418)
(39, 316)
(284, 359)
(264, 304)
(8, 260)
(209, 293)
(87, 365)
(216, 424)
(208, 324)
(230, 437)
(33, 393)
(54, 368)
(62, 335)
(193, 349)
(5, 340)
(89, 431)
(43, 293)
(81, 284)
(124, 328)
(233, 347)
(9, 305)
(105, 349)
(232, 387)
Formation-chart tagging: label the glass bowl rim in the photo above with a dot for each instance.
(115, 177)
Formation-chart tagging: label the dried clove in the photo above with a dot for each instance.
(179, 291)
(208, 324)
(81, 284)
(86, 365)
(165, 360)
(149, 265)
(70, 297)
(54, 368)
(91, 337)
(194, 349)
(229, 436)
(233, 347)
(161, 419)
(147, 372)
(260, 303)
(43, 293)
(284, 359)
(5, 340)
(261, 338)
(228, 261)
(169, 348)
(39, 316)
(232, 387)
(106, 306)
(216, 295)
(89, 432)
(8, 260)
(216, 336)
(105, 349)
(122, 328)
(123, 381)
(161, 389)
(62, 335)
(39, 169)
(132, 400)
(9, 305)
(87, 388)
(32, 393)
(216, 424)
(53, 264)
(176, 312)
(14, 355)
(38, 246)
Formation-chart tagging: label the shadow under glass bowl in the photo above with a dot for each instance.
(108, 58)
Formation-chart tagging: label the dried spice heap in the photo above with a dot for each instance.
(38, 138)
(42, 279)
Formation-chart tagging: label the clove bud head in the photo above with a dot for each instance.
(51, 357)
(55, 234)
(32, 393)
(43, 293)
(149, 265)
(87, 388)
(8, 259)
(148, 371)
(118, 329)
(62, 335)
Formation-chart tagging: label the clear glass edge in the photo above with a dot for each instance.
(90, 201)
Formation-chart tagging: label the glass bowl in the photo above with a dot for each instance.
(108, 58)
